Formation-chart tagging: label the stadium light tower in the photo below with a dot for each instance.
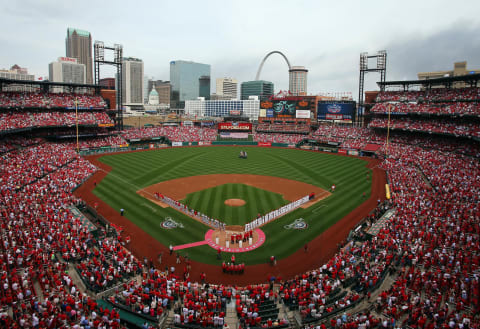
(99, 59)
(380, 67)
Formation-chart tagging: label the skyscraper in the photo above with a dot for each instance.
(227, 87)
(132, 82)
(297, 84)
(78, 44)
(204, 87)
(185, 81)
(262, 89)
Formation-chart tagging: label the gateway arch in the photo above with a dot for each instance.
(265, 58)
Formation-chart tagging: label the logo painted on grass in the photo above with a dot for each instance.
(170, 223)
(298, 224)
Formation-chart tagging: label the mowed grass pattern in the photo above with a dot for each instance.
(132, 171)
(211, 202)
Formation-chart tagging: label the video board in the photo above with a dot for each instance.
(286, 108)
(335, 110)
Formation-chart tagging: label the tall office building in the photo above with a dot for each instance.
(204, 87)
(66, 70)
(297, 84)
(132, 83)
(147, 88)
(262, 89)
(78, 44)
(227, 87)
(163, 89)
(185, 81)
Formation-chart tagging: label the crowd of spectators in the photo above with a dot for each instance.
(432, 95)
(283, 128)
(341, 131)
(102, 141)
(430, 246)
(173, 133)
(26, 119)
(202, 305)
(454, 108)
(11, 143)
(278, 138)
(469, 129)
(16, 100)
(36, 227)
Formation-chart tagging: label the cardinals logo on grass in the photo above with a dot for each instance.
(170, 223)
(298, 224)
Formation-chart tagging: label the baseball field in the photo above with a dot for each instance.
(268, 179)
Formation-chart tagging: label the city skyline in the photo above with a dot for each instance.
(233, 39)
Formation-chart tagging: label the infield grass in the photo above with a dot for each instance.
(133, 171)
(211, 202)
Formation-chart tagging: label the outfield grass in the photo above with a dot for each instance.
(133, 171)
(211, 202)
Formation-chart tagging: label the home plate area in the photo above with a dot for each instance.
(223, 240)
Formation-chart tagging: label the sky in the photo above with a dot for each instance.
(234, 36)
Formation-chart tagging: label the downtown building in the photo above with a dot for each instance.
(66, 70)
(227, 88)
(17, 73)
(262, 89)
(132, 83)
(188, 81)
(78, 44)
(200, 107)
(297, 80)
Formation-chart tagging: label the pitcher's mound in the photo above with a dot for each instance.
(234, 202)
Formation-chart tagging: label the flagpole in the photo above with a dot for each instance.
(76, 121)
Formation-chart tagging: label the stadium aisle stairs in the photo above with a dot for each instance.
(77, 280)
(231, 316)
(285, 313)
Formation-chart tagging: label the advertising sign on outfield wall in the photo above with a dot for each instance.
(264, 144)
(177, 144)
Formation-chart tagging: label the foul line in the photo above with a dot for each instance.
(190, 245)
(137, 188)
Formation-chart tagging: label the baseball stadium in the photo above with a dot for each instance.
(319, 213)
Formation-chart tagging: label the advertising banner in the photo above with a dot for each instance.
(235, 126)
(335, 111)
(262, 113)
(264, 144)
(302, 114)
(342, 151)
(177, 144)
(269, 113)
